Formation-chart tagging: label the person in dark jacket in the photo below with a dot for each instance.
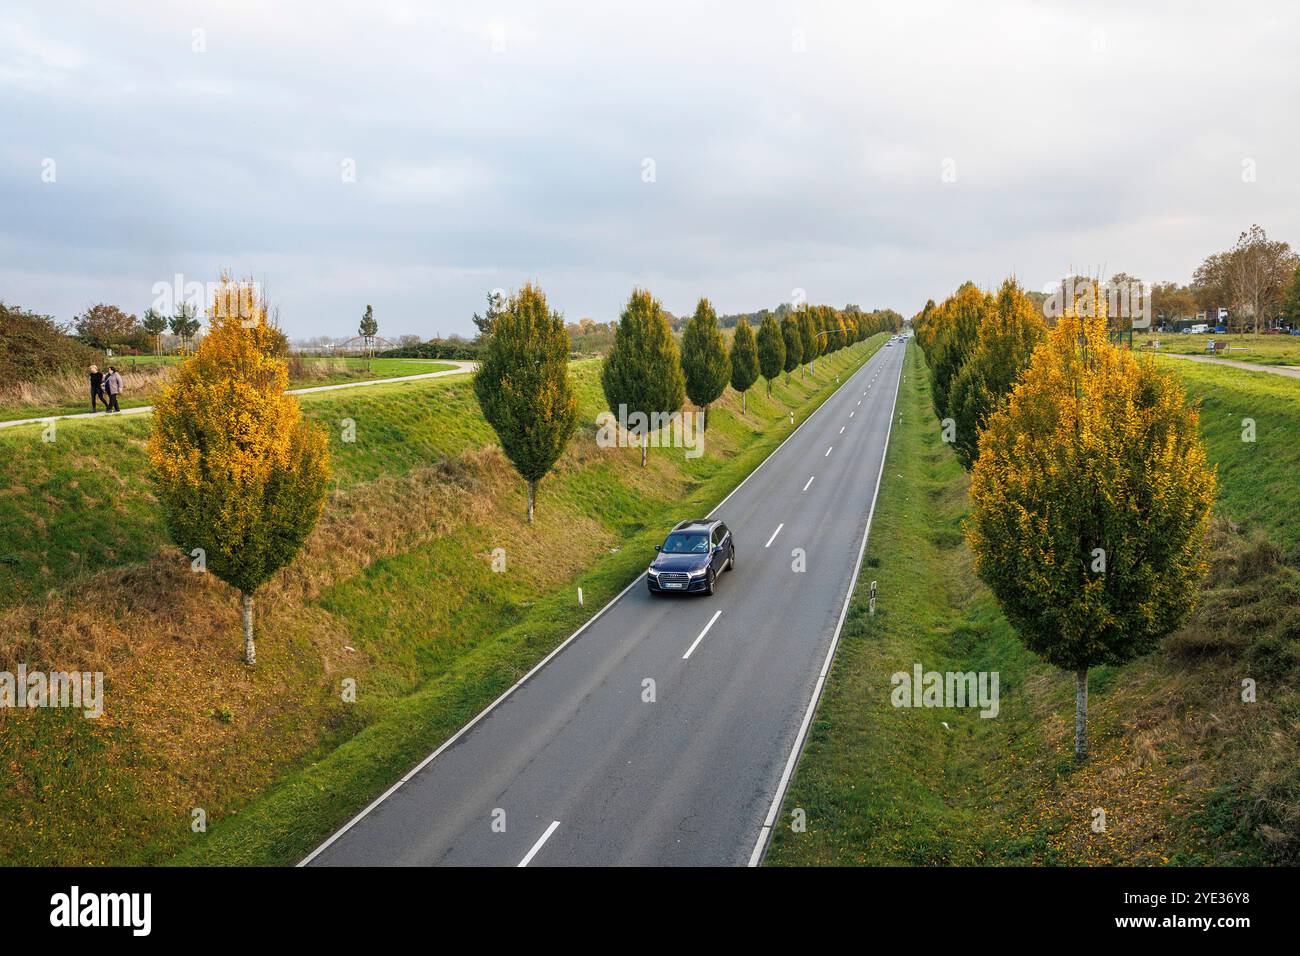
(114, 386)
(97, 389)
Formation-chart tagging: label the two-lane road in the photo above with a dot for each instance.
(664, 732)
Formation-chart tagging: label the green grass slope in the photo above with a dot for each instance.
(1185, 771)
(394, 591)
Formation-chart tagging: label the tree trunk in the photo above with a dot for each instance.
(769, 388)
(706, 419)
(250, 652)
(532, 496)
(744, 401)
(1081, 714)
(645, 443)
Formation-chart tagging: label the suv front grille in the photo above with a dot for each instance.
(674, 577)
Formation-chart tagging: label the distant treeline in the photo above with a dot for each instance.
(454, 348)
(588, 337)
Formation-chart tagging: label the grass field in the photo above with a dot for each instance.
(1259, 349)
(145, 374)
(1184, 770)
(394, 590)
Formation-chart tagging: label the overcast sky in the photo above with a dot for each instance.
(870, 153)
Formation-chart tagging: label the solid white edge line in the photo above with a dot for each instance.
(765, 833)
(774, 534)
(538, 845)
(696, 643)
(561, 646)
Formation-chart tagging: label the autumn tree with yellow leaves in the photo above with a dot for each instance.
(1091, 496)
(240, 474)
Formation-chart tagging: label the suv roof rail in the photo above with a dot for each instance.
(691, 522)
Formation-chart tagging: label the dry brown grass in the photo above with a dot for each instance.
(71, 388)
(302, 370)
(188, 725)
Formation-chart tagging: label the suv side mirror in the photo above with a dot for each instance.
(658, 547)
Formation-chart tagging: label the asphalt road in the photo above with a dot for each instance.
(581, 770)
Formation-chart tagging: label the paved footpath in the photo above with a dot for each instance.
(460, 369)
(1290, 371)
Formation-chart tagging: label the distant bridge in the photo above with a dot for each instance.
(358, 344)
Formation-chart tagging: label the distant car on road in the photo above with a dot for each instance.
(692, 557)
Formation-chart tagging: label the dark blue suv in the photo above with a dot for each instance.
(692, 557)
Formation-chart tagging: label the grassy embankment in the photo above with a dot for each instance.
(68, 393)
(1185, 771)
(394, 590)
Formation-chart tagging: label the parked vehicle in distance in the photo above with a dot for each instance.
(691, 557)
(1199, 329)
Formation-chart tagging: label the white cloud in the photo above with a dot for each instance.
(1082, 134)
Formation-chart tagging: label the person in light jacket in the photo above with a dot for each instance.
(97, 389)
(114, 387)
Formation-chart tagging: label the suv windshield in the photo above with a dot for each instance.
(681, 542)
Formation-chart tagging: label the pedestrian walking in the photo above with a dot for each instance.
(97, 389)
(114, 385)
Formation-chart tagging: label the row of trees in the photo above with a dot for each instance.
(1089, 484)
(526, 394)
(241, 476)
(1257, 280)
(104, 326)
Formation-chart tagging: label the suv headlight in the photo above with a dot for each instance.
(698, 572)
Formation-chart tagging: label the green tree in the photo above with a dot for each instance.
(104, 326)
(368, 328)
(495, 303)
(523, 386)
(1091, 498)
(771, 350)
(793, 345)
(643, 371)
(744, 361)
(705, 363)
(240, 474)
(184, 324)
(1006, 340)
(155, 324)
(1290, 309)
(807, 337)
(955, 335)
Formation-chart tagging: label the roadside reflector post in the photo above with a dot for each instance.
(872, 610)
(792, 418)
(580, 595)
